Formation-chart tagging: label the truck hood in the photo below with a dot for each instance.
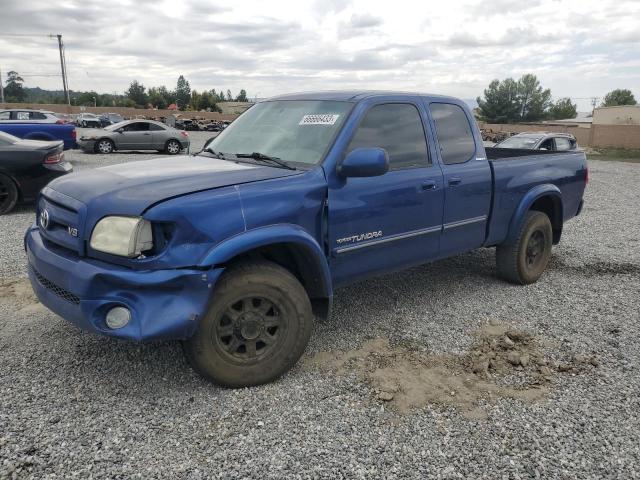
(129, 189)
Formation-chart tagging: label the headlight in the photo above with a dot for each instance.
(124, 236)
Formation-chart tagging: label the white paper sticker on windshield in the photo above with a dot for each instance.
(319, 119)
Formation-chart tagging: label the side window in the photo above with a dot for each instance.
(36, 116)
(454, 133)
(154, 127)
(396, 127)
(137, 127)
(563, 144)
(546, 145)
(22, 115)
(5, 115)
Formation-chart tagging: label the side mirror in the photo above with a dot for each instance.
(364, 162)
(120, 130)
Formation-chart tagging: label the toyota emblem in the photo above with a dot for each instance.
(44, 219)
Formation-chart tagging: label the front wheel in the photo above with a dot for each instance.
(173, 147)
(256, 328)
(105, 146)
(524, 261)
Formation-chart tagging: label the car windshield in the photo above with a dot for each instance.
(115, 126)
(297, 131)
(524, 142)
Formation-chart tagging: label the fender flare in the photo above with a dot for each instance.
(39, 135)
(544, 190)
(270, 235)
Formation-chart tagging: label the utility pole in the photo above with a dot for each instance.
(63, 67)
(1, 88)
(594, 102)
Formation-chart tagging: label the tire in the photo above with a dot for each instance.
(172, 147)
(256, 328)
(104, 146)
(524, 261)
(8, 194)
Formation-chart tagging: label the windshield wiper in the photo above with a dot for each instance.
(219, 155)
(266, 158)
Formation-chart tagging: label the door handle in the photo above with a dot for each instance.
(429, 185)
(455, 180)
(146, 134)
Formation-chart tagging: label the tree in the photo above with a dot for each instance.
(160, 97)
(563, 109)
(183, 93)
(510, 101)
(136, 92)
(242, 96)
(534, 101)
(13, 90)
(229, 96)
(500, 104)
(221, 97)
(87, 99)
(619, 96)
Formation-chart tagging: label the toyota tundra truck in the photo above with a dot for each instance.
(236, 250)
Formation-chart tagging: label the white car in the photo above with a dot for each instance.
(16, 115)
(88, 120)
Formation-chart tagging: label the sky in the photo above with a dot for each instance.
(577, 48)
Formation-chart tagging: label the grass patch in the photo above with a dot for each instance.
(631, 155)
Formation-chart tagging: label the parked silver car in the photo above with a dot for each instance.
(134, 135)
(24, 115)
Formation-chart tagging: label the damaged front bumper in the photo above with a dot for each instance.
(164, 304)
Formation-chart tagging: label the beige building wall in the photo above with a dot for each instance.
(623, 115)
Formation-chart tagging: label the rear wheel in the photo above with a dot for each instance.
(256, 328)
(8, 194)
(105, 146)
(173, 147)
(524, 261)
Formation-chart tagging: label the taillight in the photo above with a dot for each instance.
(54, 158)
(59, 122)
(73, 134)
(184, 134)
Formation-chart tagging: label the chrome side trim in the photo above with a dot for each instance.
(390, 238)
(466, 221)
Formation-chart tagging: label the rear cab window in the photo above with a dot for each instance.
(397, 128)
(454, 133)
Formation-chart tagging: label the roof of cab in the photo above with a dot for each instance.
(354, 95)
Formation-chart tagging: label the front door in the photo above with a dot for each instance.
(388, 222)
(467, 181)
(136, 135)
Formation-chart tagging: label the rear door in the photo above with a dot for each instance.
(158, 136)
(467, 180)
(393, 220)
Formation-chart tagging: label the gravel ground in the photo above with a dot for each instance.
(74, 404)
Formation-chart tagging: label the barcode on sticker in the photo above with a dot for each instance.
(319, 119)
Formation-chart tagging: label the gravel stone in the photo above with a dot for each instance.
(75, 404)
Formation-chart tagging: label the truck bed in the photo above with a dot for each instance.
(516, 172)
(509, 153)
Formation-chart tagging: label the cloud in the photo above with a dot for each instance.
(577, 47)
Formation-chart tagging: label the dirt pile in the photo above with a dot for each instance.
(408, 378)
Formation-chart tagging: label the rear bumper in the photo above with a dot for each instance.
(164, 304)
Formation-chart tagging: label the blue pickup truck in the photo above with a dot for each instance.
(237, 249)
(42, 131)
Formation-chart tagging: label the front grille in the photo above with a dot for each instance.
(56, 290)
(62, 219)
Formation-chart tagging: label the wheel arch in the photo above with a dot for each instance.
(39, 135)
(289, 246)
(543, 198)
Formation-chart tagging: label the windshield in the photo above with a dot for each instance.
(6, 138)
(298, 131)
(516, 141)
(115, 126)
